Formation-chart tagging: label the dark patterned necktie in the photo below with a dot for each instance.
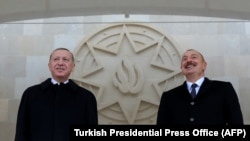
(193, 91)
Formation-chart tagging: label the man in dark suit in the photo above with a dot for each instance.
(48, 110)
(213, 103)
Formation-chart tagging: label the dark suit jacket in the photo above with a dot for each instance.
(47, 111)
(216, 103)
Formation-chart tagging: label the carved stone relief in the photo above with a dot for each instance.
(127, 66)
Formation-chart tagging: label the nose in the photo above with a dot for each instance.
(60, 62)
(189, 59)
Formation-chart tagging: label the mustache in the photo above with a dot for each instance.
(190, 63)
(60, 67)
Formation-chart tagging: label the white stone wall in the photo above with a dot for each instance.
(25, 47)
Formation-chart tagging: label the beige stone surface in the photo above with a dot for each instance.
(4, 108)
(126, 66)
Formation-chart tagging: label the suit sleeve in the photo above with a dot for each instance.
(92, 110)
(22, 120)
(162, 117)
(233, 109)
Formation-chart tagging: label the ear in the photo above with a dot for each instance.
(73, 67)
(204, 65)
(49, 66)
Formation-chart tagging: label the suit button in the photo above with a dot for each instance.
(192, 103)
(191, 119)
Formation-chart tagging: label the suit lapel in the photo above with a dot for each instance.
(184, 91)
(205, 86)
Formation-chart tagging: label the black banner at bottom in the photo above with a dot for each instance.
(219, 132)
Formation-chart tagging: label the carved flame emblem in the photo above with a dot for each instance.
(128, 77)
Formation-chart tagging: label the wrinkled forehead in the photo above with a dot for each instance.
(192, 52)
(61, 53)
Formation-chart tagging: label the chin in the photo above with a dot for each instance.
(189, 73)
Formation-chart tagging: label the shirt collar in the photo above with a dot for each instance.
(53, 81)
(198, 82)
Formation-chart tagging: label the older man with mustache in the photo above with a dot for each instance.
(199, 100)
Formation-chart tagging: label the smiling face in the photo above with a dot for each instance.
(193, 65)
(61, 64)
